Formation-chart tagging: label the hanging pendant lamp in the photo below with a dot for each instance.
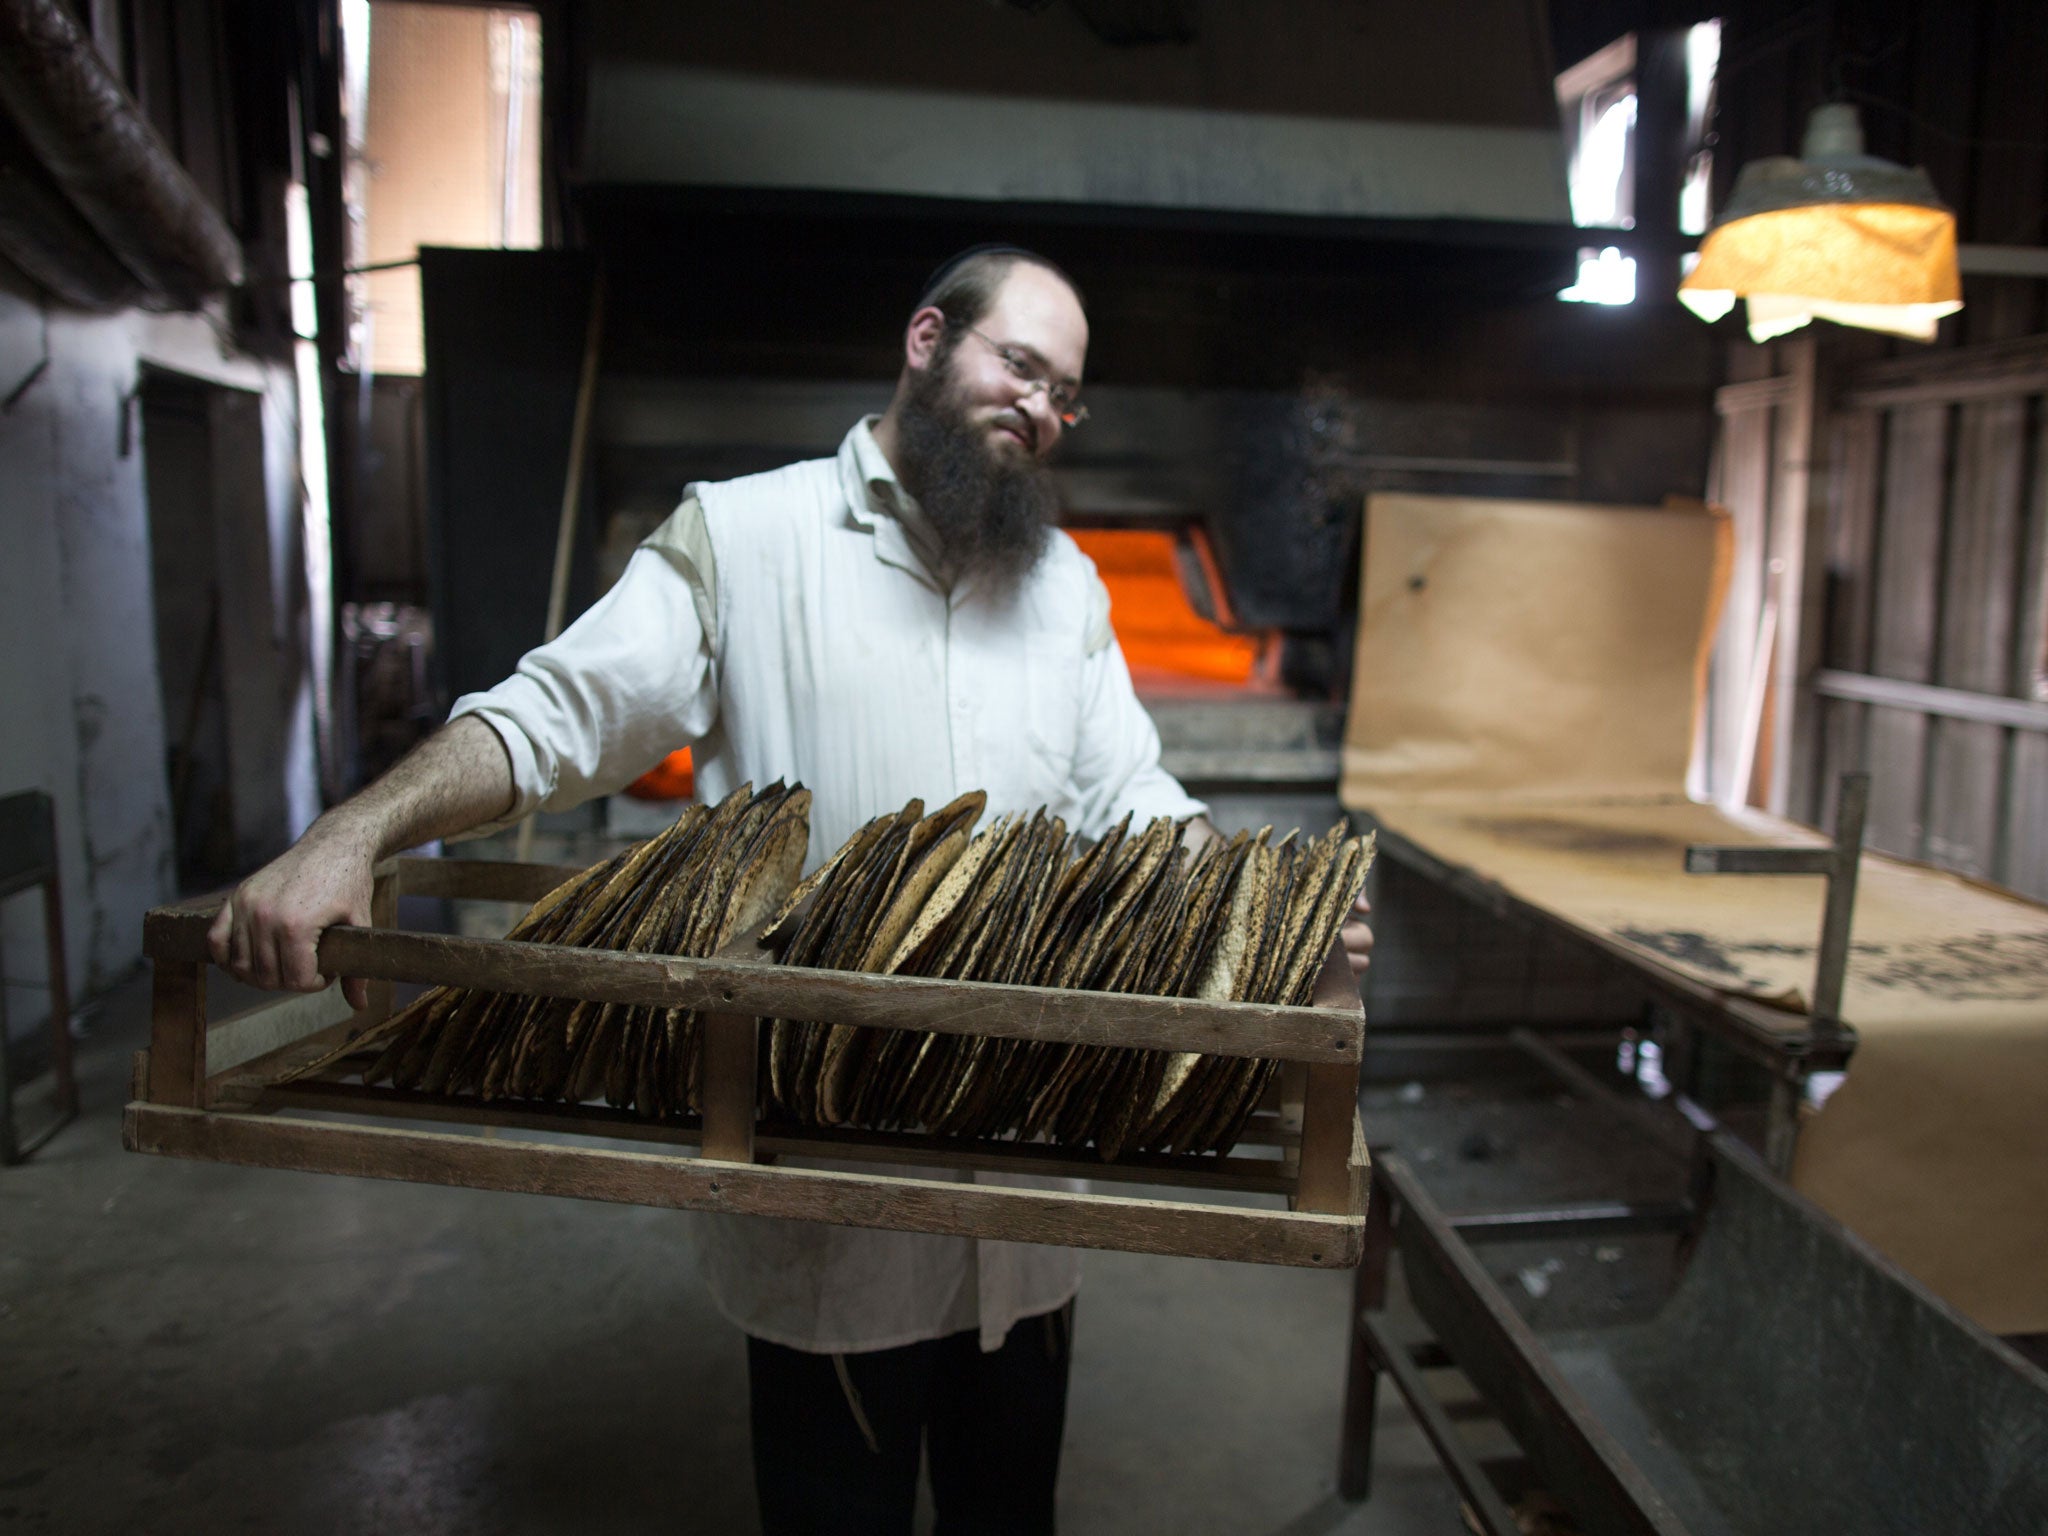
(1834, 235)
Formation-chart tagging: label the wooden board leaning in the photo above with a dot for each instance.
(211, 1092)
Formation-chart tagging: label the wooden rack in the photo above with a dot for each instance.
(211, 1091)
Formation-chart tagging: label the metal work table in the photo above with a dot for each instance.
(1657, 1323)
(1790, 1046)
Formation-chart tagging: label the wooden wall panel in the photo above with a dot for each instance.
(2024, 865)
(2025, 862)
(2004, 203)
(2030, 635)
(1948, 443)
(1855, 442)
(1845, 733)
(1743, 486)
(1798, 557)
(1976, 633)
(1903, 619)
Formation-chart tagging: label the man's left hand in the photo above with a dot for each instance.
(1358, 937)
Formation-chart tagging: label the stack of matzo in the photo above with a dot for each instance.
(716, 873)
(1245, 920)
(909, 894)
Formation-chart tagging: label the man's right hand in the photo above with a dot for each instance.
(268, 932)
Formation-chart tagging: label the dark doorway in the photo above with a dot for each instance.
(218, 660)
(178, 465)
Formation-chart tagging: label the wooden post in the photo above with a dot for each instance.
(1292, 1083)
(1799, 538)
(731, 1086)
(1328, 1112)
(384, 917)
(1329, 1106)
(177, 1033)
(1362, 1381)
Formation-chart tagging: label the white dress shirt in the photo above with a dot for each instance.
(790, 625)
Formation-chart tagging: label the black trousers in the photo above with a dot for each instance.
(836, 1437)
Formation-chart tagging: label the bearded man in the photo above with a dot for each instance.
(899, 620)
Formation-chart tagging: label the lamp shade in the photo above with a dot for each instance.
(1836, 235)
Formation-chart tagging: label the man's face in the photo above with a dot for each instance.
(1032, 331)
(976, 426)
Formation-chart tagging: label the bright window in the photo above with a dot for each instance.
(1596, 99)
(444, 142)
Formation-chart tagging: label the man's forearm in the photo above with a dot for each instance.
(458, 778)
(267, 933)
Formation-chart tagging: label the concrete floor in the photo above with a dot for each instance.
(187, 1347)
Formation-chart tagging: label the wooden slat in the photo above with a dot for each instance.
(1909, 544)
(1329, 1107)
(384, 891)
(234, 1042)
(1985, 527)
(177, 1033)
(2025, 835)
(1926, 699)
(774, 991)
(479, 879)
(1754, 395)
(1951, 390)
(731, 1085)
(1903, 620)
(1360, 1165)
(1976, 623)
(2030, 648)
(1845, 726)
(1239, 1175)
(1799, 551)
(1327, 1112)
(1992, 371)
(1856, 440)
(1744, 489)
(1853, 482)
(1896, 748)
(639, 1178)
(2026, 867)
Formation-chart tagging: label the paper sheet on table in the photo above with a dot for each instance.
(1541, 650)
(1515, 673)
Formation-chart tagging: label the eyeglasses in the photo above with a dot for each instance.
(1065, 398)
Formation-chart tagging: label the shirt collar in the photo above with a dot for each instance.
(879, 503)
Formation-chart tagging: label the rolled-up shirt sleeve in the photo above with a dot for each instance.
(1117, 768)
(628, 683)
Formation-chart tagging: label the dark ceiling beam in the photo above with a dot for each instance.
(108, 161)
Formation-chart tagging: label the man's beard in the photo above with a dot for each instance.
(991, 513)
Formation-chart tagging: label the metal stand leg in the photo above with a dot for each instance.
(1362, 1381)
(1840, 863)
(1781, 1132)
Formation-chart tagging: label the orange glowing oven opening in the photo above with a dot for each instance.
(673, 778)
(1165, 640)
